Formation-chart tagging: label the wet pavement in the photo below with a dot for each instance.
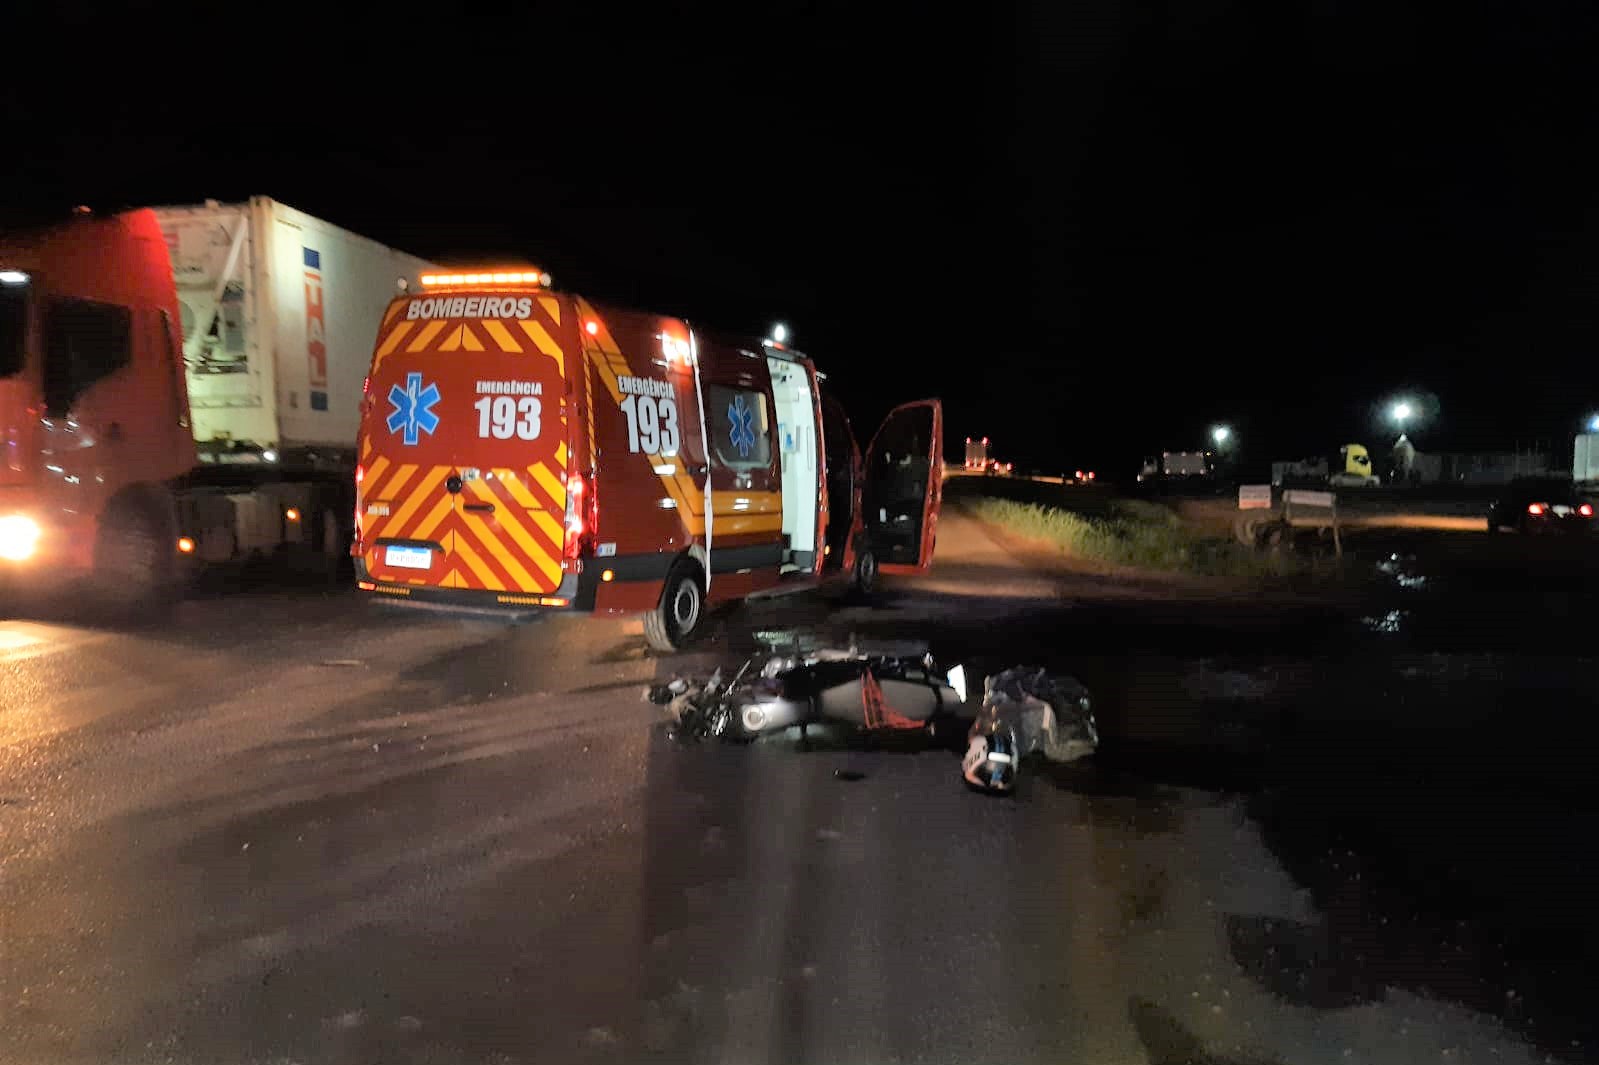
(294, 826)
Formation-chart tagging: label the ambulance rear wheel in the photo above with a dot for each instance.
(676, 618)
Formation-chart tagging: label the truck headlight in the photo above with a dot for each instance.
(19, 537)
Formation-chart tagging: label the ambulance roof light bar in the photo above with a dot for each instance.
(536, 278)
(778, 339)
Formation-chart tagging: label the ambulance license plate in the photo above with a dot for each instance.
(408, 557)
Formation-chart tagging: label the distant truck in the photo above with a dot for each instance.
(977, 454)
(181, 384)
(1175, 464)
(1585, 459)
(1349, 467)
(978, 459)
(1310, 469)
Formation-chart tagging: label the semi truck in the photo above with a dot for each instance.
(1175, 464)
(977, 454)
(181, 385)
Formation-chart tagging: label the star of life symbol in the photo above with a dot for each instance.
(742, 431)
(413, 409)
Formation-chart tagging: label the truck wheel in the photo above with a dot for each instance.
(863, 579)
(133, 563)
(677, 616)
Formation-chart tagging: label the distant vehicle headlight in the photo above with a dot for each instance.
(19, 537)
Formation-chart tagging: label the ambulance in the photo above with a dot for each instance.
(525, 449)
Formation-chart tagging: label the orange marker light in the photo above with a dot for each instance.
(185, 545)
(495, 277)
(607, 575)
(292, 514)
(591, 328)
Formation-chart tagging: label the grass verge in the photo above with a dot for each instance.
(1137, 534)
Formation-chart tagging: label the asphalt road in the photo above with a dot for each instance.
(298, 827)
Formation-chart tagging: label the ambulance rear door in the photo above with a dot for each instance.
(464, 449)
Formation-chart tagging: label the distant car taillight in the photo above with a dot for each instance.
(1586, 510)
(1535, 509)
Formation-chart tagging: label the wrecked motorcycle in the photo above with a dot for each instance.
(869, 689)
(1024, 711)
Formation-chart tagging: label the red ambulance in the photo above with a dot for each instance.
(525, 448)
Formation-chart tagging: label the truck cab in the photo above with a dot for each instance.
(1352, 468)
(94, 417)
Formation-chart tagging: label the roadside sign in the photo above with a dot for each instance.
(1299, 497)
(1254, 497)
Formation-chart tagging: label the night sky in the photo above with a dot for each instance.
(1093, 228)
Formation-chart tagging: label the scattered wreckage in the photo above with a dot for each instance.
(899, 689)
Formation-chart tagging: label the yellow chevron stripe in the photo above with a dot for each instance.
(391, 342)
(550, 524)
(560, 449)
(494, 547)
(502, 336)
(536, 553)
(469, 339)
(429, 482)
(394, 308)
(425, 337)
(552, 307)
(440, 511)
(518, 490)
(366, 446)
(544, 342)
(397, 482)
(453, 341)
(470, 557)
(550, 483)
(374, 473)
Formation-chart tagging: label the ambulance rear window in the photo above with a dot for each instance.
(740, 427)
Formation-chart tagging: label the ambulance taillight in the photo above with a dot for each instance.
(582, 514)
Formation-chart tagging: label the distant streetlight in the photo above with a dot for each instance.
(1593, 424)
(1402, 412)
(780, 333)
(1221, 434)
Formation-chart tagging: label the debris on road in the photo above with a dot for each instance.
(1027, 711)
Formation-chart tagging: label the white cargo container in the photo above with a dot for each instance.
(279, 310)
(1585, 459)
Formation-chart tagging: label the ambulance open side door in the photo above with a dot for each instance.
(903, 487)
